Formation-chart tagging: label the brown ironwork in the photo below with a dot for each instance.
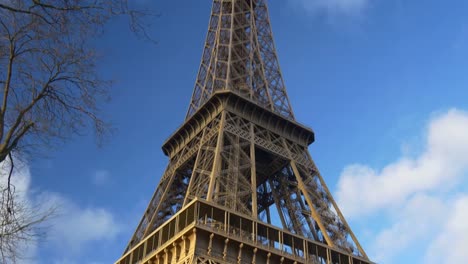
(204, 232)
(239, 165)
(239, 56)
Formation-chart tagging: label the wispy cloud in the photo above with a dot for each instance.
(76, 227)
(416, 199)
(20, 184)
(410, 224)
(73, 228)
(362, 189)
(332, 7)
(451, 244)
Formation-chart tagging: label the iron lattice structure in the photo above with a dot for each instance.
(241, 153)
(239, 56)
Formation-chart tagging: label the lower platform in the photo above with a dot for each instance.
(206, 233)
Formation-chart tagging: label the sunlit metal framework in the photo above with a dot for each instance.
(239, 56)
(203, 232)
(241, 152)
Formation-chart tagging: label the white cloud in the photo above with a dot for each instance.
(417, 200)
(363, 190)
(438, 224)
(20, 184)
(342, 7)
(68, 261)
(75, 226)
(451, 244)
(416, 221)
(21, 177)
(72, 229)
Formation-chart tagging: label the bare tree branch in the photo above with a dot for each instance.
(16, 10)
(51, 90)
(21, 223)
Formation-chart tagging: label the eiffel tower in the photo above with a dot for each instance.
(241, 186)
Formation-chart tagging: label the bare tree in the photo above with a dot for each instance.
(50, 86)
(48, 69)
(20, 224)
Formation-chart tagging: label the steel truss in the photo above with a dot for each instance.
(240, 147)
(203, 232)
(247, 168)
(240, 56)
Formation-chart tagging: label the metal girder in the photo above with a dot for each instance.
(240, 147)
(230, 160)
(239, 56)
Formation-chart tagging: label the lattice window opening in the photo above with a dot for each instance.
(322, 210)
(176, 197)
(201, 76)
(301, 215)
(287, 209)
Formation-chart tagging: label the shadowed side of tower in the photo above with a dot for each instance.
(241, 186)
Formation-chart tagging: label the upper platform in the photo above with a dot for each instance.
(241, 106)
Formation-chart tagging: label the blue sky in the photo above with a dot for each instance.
(382, 83)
